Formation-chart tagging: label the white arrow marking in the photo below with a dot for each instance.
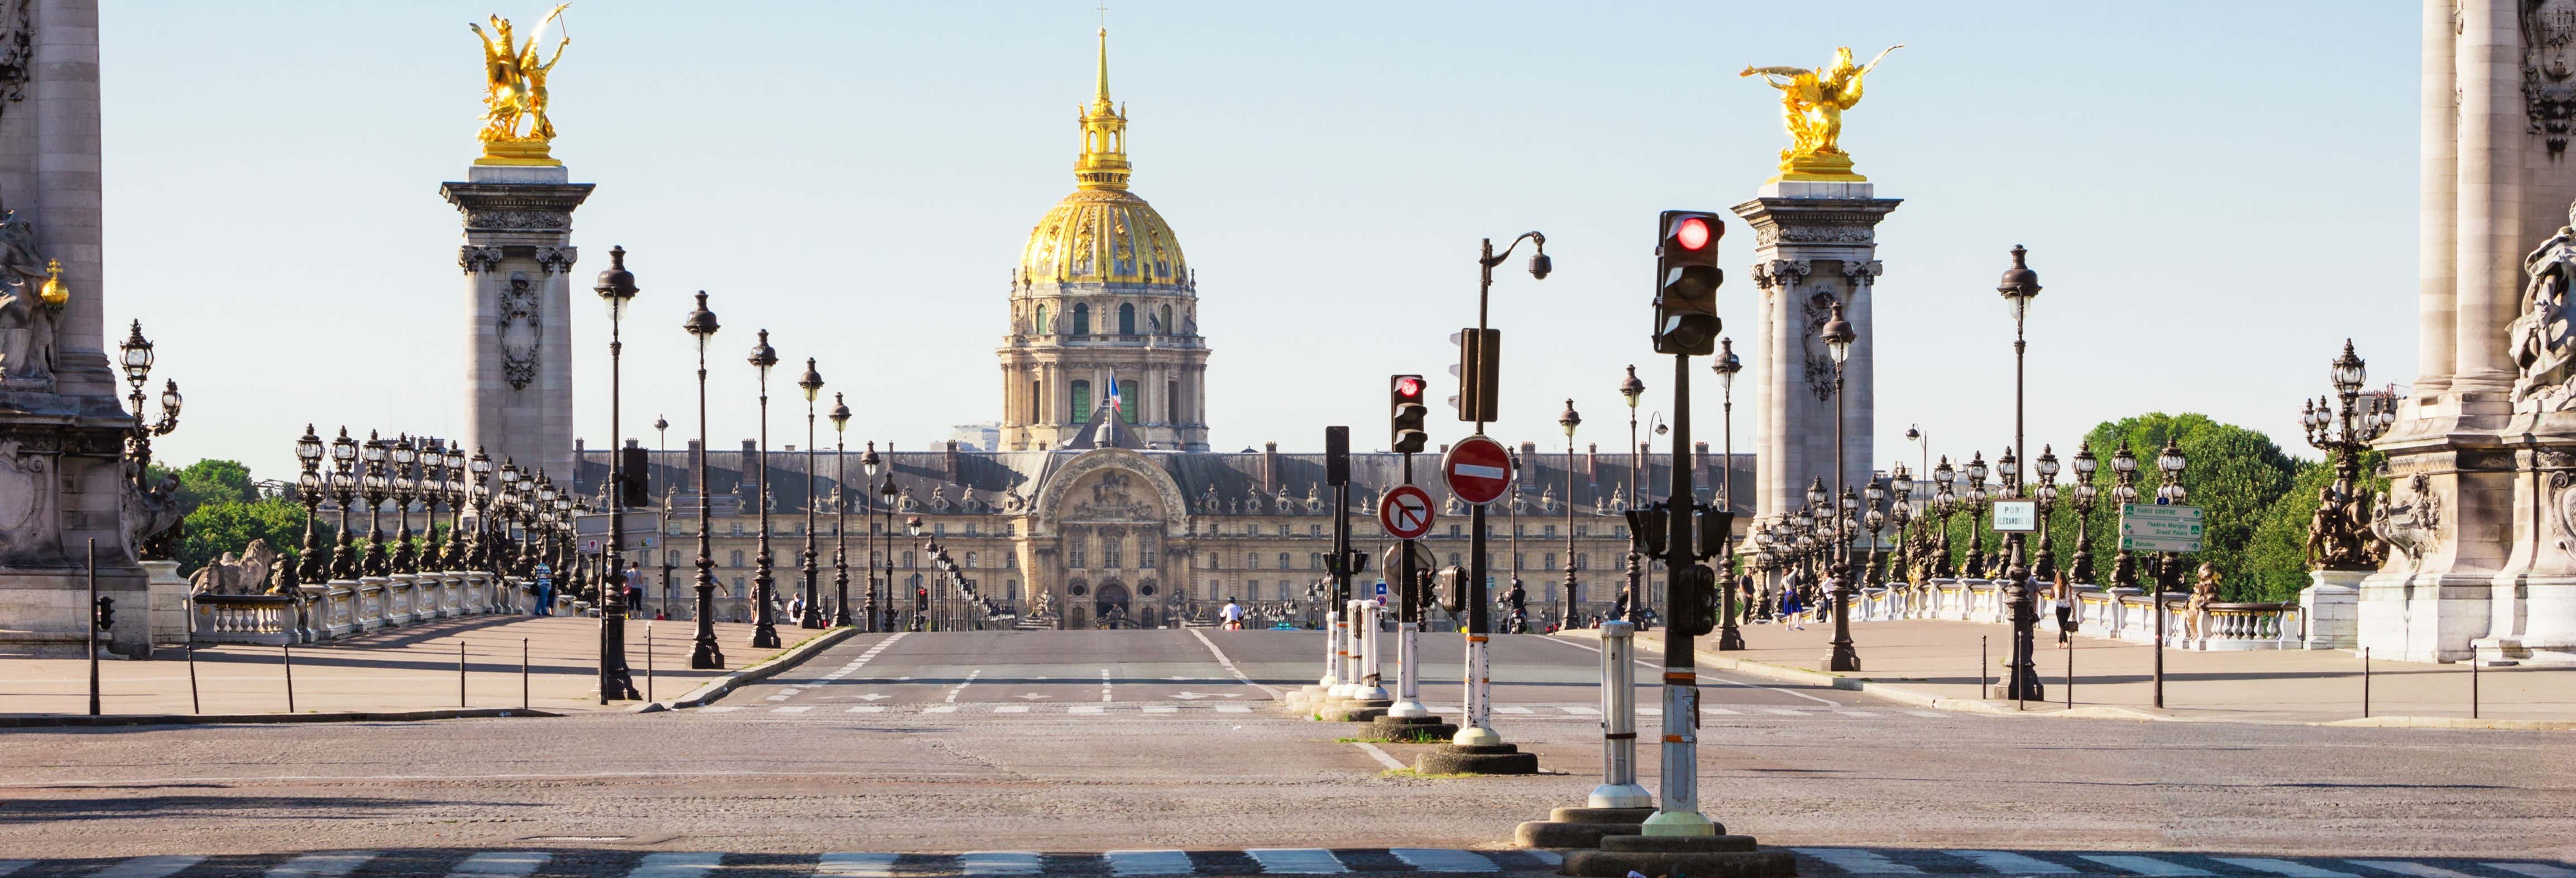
(872, 696)
(1189, 696)
(1032, 696)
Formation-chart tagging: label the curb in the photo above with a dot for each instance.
(2453, 722)
(162, 719)
(719, 687)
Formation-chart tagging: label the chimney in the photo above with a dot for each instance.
(956, 473)
(1269, 467)
(697, 458)
(1529, 449)
(576, 446)
(751, 446)
(1592, 463)
(1699, 462)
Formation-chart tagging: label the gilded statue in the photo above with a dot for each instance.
(516, 130)
(1812, 104)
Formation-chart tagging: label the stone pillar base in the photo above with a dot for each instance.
(2423, 617)
(2331, 609)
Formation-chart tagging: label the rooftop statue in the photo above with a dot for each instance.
(516, 130)
(1812, 104)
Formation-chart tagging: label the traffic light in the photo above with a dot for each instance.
(1698, 616)
(1449, 588)
(1686, 282)
(1405, 412)
(106, 614)
(632, 467)
(921, 597)
(1479, 374)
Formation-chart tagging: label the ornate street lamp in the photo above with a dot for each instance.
(2086, 494)
(841, 512)
(406, 486)
(921, 593)
(344, 488)
(1569, 420)
(812, 617)
(1631, 389)
(1873, 519)
(869, 464)
(2124, 468)
(432, 490)
(2338, 538)
(478, 491)
(2170, 463)
(704, 653)
(375, 484)
(2019, 286)
(887, 494)
(309, 485)
(764, 631)
(1943, 504)
(137, 360)
(2044, 561)
(1837, 335)
(1976, 503)
(457, 559)
(616, 289)
(1727, 366)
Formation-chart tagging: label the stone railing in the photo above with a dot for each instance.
(344, 607)
(2115, 613)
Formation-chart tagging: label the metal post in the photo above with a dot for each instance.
(286, 660)
(2365, 683)
(648, 661)
(1373, 667)
(2070, 675)
(1619, 787)
(2473, 681)
(93, 621)
(460, 673)
(1982, 658)
(1678, 811)
(194, 706)
(523, 674)
(704, 654)
(2156, 597)
(1408, 625)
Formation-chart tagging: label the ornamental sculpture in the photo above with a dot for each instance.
(1812, 104)
(2339, 531)
(516, 130)
(2544, 349)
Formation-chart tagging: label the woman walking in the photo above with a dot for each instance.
(2064, 596)
(1793, 606)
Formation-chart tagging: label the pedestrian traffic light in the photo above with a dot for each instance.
(1698, 615)
(1686, 282)
(106, 614)
(1449, 588)
(1479, 373)
(921, 597)
(1405, 413)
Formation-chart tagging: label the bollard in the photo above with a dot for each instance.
(1372, 686)
(1982, 659)
(2473, 682)
(523, 673)
(2070, 676)
(1408, 678)
(648, 661)
(1619, 788)
(194, 706)
(93, 626)
(1353, 614)
(2365, 682)
(1332, 681)
(286, 659)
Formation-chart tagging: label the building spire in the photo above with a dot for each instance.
(1103, 164)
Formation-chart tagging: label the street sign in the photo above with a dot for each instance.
(2160, 528)
(2016, 516)
(1381, 589)
(1405, 512)
(1394, 560)
(1478, 469)
(590, 547)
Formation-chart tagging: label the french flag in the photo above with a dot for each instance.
(1115, 404)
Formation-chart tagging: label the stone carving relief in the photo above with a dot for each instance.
(2548, 73)
(2414, 528)
(2336, 531)
(1769, 235)
(1113, 496)
(150, 515)
(939, 499)
(17, 48)
(475, 258)
(1819, 307)
(517, 219)
(1780, 271)
(28, 520)
(250, 572)
(2544, 348)
(27, 321)
(557, 260)
(1013, 502)
(519, 330)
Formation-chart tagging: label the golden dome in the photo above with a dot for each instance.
(1102, 233)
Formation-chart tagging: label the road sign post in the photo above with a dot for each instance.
(1478, 470)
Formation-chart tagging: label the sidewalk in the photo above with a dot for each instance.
(1926, 660)
(412, 668)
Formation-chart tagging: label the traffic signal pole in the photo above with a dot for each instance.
(1408, 626)
(1677, 811)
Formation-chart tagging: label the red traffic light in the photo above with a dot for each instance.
(1408, 386)
(1692, 233)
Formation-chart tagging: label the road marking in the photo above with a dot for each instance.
(1162, 709)
(801, 708)
(1032, 696)
(1228, 664)
(1784, 711)
(1583, 711)
(2009, 863)
(961, 687)
(942, 708)
(1150, 863)
(1296, 861)
(1513, 710)
(331, 865)
(676, 865)
(2144, 865)
(148, 867)
(778, 698)
(866, 708)
(1862, 713)
(1377, 754)
(1190, 696)
(721, 708)
(1104, 684)
(1706, 709)
(2535, 870)
(1012, 708)
(997, 863)
(872, 696)
(1859, 862)
(2284, 867)
(513, 864)
(1444, 860)
(1083, 708)
(2403, 867)
(857, 865)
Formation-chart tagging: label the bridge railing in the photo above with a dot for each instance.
(336, 609)
(2113, 613)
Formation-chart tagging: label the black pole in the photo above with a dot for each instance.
(1729, 638)
(764, 630)
(616, 682)
(1844, 657)
(286, 660)
(93, 623)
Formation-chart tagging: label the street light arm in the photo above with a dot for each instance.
(1531, 236)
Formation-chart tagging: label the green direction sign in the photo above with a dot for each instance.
(2160, 528)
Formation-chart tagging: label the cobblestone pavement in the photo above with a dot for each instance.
(1803, 768)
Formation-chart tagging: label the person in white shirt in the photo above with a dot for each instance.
(1232, 614)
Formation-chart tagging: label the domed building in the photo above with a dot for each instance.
(1103, 307)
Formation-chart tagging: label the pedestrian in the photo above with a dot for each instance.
(2063, 595)
(1791, 604)
(1232, 614)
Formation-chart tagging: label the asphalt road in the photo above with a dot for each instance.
(1150, 740)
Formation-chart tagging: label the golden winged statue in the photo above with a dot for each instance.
(1812, 104)
(515, 128)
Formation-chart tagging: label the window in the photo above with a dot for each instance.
(1126, 319)
(1314, 560)
(737, 558)
(1551, 530)
(1283, 560)
(1519, 560)
(1520, 530)
(1007, 528)
(1582, 530)
(1073, 554)
(1144, 555)
(970, 528)
(1081, 401)
(1081, 319)
(1010, 560)
(1171, 390)
(1453, 559)
(939, 530)
(907, 560)
(970, 560)
(1252, 560)
(1109, 551)
(875, 558)
(737, 586)
(1041, 327)
(1011, 589)
(1551, 561)
(1314, 530)
(1454, 531)
(1620, 531)
(673, 558)
(1037, 392)
(1127, 401)
(1170, 329)
(737, 528)
(1582, 560)
(1283, 591)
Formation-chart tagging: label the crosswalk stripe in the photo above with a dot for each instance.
(1784, 711)
(1859, 862)
(512, 864)
(853, 865)
(1297, 861)
(1930, 713)
(10, 866)
(2143, 865)
(1444, 860)
(1513, 710)
(801, 708)
(676, 865)
(1153, 709)
(2403, 867)
(1150, 863)
(1865, 713)
(997, 863)
(1584, 711)
(2535, 870)
(149, 867)
(944, 708)
(1012, 708)
(332, 865)
(1083, 708)
(2009, 863)
(722, 708)
(2285, 868)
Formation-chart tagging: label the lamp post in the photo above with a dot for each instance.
(1568, 420)
(2019, 286)
(887, 493)
(840, 512)
(1478, 730)
(704, 654)
(137, 360)
(2335, 541)
(1873, 519)
(2170, 462)
(869, 464)
(812, 617)
(2044, 562)
(1632, 388)
(375, 484)
(1900, 514)
(433, 494)
(1727, 366)
(921, 593)
(1943, 504)
(2022, 681)
(478, 492)
(764, 630)
(1976, 503)
(2086, 494)
(309, 565)
(1837, 335)
(616, 288)
(406, 484)
(2124, 491)
(344, 487)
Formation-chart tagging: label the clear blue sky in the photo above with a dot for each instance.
(2214, 194)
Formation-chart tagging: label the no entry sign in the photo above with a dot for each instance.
(1405, 512)
(1478, 470)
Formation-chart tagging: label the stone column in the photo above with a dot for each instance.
(1814, 244)
(2491, 130)
(517, 258)
(2437, 225)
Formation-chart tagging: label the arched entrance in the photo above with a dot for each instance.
(1110, 606)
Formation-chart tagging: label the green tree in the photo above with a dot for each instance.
(210, 481)
(2276, 562)
(230, 525)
